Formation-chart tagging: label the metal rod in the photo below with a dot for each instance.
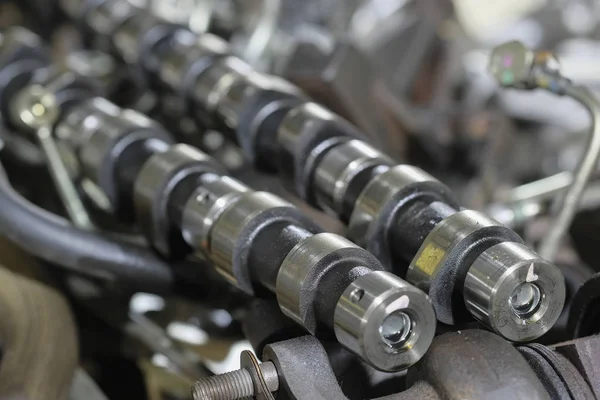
(542, 189)
(60, 175)
(35, 108)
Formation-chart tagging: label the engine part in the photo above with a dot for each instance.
(320, 279)
(100, 135)
(341, 169)
(559, 376)
(311, 271)
(583, 354)
(252, 380)
(519, 264)
(317, 382)
(265, 323)
(244, 247)
(156, 183)
(495, 368)
(492, 362)
(399, 327)
(33, 316)
(584, 317)
(228, 90)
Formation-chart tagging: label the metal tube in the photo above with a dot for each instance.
(569, 204)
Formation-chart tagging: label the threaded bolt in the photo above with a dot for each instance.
(230, 386)
(236, 384)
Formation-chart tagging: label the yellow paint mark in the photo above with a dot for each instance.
(430, 258)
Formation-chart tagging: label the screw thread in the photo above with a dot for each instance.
(230, 386)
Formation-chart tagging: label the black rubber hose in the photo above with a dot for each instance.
(54, 240)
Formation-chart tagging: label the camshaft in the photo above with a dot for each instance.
(467, 262)
(183, 201)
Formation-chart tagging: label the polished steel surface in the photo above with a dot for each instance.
(213, 84)
(514, 291)
(377, 195)
(442, 240)
(298, 266)
(307, 116)
(229, 226)
(384, 319)
(188, 49)
(222, 76)
(205, 206)
(338, 167)
(156, 180)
